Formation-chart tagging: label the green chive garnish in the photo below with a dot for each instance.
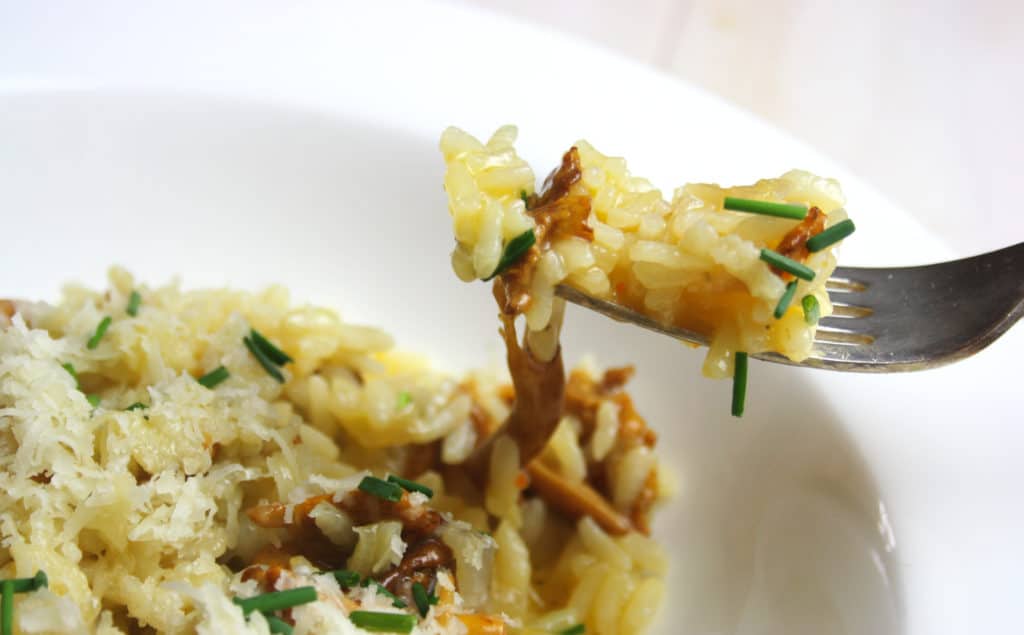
(396, 601)
(578, 629)
(101, 329)
(264, 361)
(739, 384)
(277, 625)
(378, 622)
(831, 235)
(404, 399)
(765, 208)
(272, 352)
(277, 600)
(785, 300)
(7, 608)
(345, 578)
(71, 371)
(514, 250)
(138, 405)
(381, 488)
(7, 589)
(523, 197)
(788, 265)
(214, 377)
(134, 300)
(812, 312)
(419, 595)
(93, 400)
(25, 585)
(411, 486)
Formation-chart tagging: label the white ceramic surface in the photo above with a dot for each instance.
(297, 144)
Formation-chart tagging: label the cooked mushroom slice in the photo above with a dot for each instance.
(575, 499)
(420, 564)
(360, 506)
(640, 513)
(276, 515)
(539, 380)
(794, 244)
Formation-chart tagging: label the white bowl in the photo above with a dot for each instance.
(298, 146)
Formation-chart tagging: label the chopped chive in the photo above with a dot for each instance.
(277, 600)
(7, 608)
(134, 300)
(277, 625)
(264, 361)
(138, 405)
(785, 300)
(275, 354)
(94, 400)
(524, 198)
(396, 601)
(739, 384)
(8, 588)
(381, 488)
(71, 371)
(25, 585)
(812, 312)
(514, 250)
(404, 399)
(378, 622)
(766, 208)
(788, 265)
(419, 595)
(345, 577)
(101, 329)
(830, 236)
(214, 377)
(578, 629)
(411, 486)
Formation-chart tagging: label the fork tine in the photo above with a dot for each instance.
(927, 315)
(842, 336)
(893, 319)
(850, 311)
(837, 284)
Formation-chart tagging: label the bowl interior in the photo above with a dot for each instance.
(778, 525)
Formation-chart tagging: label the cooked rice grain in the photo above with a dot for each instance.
(686, 262)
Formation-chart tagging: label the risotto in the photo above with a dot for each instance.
(745, 266)
(218, 461)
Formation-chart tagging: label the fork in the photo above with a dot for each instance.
(894, 319)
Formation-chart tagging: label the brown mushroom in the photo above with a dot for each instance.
(539, 395)
(363, 508)
(640, 513)
(420, 564)
(575, 500)
(794, 243)
(556, 214)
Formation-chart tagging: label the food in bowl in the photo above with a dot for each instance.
(220, 461)
(746, 266)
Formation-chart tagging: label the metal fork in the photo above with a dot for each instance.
(892, 319)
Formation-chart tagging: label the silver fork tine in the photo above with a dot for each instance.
(929, 315)
(893, 319)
